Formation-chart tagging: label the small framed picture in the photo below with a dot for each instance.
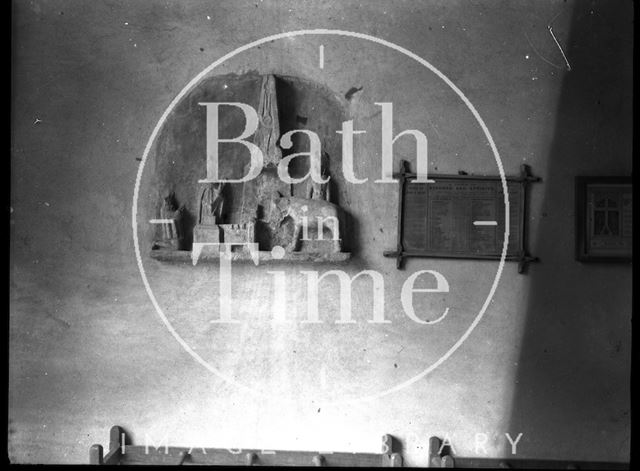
(604, 219)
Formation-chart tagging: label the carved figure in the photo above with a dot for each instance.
(211, 204)
(172, 230)
(313, 213)
(319, 191)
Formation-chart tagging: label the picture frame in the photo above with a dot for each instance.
(604, 219)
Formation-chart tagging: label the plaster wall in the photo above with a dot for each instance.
(551, 357)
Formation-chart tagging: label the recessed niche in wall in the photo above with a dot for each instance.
(300, 221)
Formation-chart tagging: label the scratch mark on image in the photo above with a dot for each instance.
(540, 55)
(559, 47)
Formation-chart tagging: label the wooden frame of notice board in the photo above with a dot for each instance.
(462, 217)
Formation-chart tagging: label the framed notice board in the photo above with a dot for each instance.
(461, 216)
(604, 219)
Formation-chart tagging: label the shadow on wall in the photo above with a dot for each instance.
(571, 397)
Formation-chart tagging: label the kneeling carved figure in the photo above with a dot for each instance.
(315, 213)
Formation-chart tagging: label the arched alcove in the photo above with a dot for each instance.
(178, 160)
